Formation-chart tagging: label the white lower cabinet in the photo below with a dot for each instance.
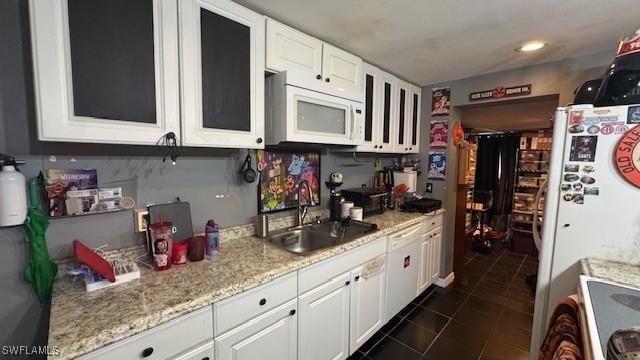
(425, 268)
(270, 336)
(430, 261)
(436, 244)
(324, 321)
(367, 305)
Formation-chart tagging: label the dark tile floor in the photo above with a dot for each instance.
(485, 315)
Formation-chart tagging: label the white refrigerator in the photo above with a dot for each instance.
(592, 204)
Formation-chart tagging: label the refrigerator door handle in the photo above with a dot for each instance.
(537, 239)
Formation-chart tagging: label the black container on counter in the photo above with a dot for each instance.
(335, 207)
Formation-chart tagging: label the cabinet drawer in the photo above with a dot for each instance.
(405, 236)
(164, 341)
(204, 352)
(434, 222)
(236, 310)
(314, 275)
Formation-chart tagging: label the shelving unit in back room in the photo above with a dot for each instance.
(533, 165)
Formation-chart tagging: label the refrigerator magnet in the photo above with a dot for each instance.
(621, 129)
(633, 115)
(571, 177)
(583, 148)
(576, 129)
(607, 129)
(592, 190)
(571, 168)
(587, 180)
(578, 199)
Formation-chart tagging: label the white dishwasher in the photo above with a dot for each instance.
(403, 268)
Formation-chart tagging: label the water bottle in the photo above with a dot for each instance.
(212, 237)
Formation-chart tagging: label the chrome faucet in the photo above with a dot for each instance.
(302, 211)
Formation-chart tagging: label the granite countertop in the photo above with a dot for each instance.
(620, 272)
(82, 322)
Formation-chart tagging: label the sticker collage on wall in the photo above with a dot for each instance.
(439, 133)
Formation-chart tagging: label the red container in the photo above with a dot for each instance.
(179, 255)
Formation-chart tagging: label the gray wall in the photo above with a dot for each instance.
(555, 78)
(207, 178)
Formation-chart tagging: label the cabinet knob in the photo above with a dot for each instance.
(259, 140)
(566, 225)
(319, 77)
(327, 80)
(405, 149)
(380, 146)
(205, 358)
(147, 352)
(292, 312)
(357, 278)
(263, 301)
(347, 283)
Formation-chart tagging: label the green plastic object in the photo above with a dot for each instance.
(34, 193)
(40, 271)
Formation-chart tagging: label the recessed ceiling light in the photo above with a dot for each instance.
(532, 46)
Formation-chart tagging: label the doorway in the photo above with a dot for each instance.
(509, 145)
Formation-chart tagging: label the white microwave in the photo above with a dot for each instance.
(300, 112)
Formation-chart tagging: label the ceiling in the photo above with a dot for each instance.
(511, 115)
(430, 41)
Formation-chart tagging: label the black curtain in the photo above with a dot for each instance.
(495, 171)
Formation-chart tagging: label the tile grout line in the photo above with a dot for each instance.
(386, 334)
(448, 321)
(484, 346)
(502, 309)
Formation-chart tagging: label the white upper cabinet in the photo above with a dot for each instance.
(388, 114)
(401, 143)
(105, 71)
(115, 72)
(391, 113)
(413, 134)
(341, 68)
(289, 49)
(222, 64)
(372, 118)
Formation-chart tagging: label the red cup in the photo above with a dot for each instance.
(179, 255)
(196, 248)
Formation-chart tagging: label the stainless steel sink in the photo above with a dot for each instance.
(309, 238)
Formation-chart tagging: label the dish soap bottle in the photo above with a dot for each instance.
(212, 237)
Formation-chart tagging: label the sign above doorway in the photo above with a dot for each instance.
(501, 92)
